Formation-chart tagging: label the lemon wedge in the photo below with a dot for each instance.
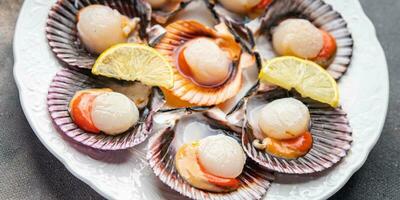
(135, 62)
(306, 77)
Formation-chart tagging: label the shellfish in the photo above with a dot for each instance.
(69, 98)
(77, 31)
(329, 128)
(172, 150)
(309, 29)
(208, 63)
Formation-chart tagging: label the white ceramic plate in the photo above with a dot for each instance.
(364, 95)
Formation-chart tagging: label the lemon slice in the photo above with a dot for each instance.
(135, 62)
(306, 77)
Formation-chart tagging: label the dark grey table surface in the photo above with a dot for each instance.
(29, 171)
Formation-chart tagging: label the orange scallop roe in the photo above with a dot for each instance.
(328, 49)
(263, 4)
(231, 183)
(291, 148)
(174, 101)
(80, 108)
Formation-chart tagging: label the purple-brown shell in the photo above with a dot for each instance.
(63, 87)
(323, 16)
(61, 31)
(330, 129)
(255, 181)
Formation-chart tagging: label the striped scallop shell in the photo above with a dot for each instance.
(323, 16)
(177, 34)
(330, 130)
(62, 89)
(61, 31)
(255, 181)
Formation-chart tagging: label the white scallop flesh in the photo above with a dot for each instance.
(208, 63)
(156, 4)
(239, 6)
(297, 37)
(285, 118)
(100, 27)
(221, 156)
(114, 113)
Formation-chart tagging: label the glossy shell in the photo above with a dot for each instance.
(319, 13)
(178, 33)
(161, 155)
(330, 129)
(62, 89)
(61, 31)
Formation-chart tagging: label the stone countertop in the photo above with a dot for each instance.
(29, 171)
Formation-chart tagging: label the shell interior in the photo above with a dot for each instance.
(319, 13)
(62, 89)
(190, 126)
(330, 130)
(61, 31)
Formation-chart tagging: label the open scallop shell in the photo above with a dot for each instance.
(162, 148)
(179, 33)
(62, 89)
(61, 31)
(319, 13)
(330, 129)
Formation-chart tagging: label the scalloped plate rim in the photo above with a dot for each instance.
(356, 167)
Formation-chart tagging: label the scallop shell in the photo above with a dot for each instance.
(323, 16)
(330, 129)
(62, 89)
(179, 33)
(61, 31)
(255, 181)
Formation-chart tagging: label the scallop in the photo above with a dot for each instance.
(282, 119)
(297, 37)
(112, 112)
(101, 27)
(221, 156)
(218, 150)
(329, 127)
(207, 62)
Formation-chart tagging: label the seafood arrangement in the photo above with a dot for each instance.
(228, 99)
